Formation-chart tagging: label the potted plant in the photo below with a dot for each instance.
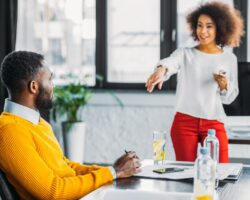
(69, 98)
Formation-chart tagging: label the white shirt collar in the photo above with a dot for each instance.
(22, 111)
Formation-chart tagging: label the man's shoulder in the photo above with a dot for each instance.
(9, 122)
(12, 123)
(6, 119)
(13, 131)
(44, 123)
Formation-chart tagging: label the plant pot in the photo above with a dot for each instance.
(74, 140)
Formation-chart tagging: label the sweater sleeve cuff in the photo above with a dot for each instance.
(113, 172)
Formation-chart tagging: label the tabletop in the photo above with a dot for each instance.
(227, 190)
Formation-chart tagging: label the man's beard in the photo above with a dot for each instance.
(43, 101)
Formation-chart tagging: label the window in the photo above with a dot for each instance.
(119, 40)
(183, 35)
(133, 39)
(63, 31)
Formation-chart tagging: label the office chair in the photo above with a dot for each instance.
(7, 192)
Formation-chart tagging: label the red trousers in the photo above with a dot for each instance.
(188, 131)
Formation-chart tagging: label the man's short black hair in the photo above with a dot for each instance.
(19, 68)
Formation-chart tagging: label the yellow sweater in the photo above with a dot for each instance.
(34, 164)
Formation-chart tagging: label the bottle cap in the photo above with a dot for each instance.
(204, 150)
(211, 132)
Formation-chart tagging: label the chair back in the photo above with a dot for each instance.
(7, 192)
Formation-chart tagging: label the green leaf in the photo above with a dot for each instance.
(69, 98)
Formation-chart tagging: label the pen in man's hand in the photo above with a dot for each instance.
(127, 152)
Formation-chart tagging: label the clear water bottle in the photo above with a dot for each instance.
(204, 179)
(212, 143)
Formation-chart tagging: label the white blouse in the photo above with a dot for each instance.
(198, 94)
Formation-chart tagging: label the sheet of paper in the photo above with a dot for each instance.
(147, 171)
(223, 171)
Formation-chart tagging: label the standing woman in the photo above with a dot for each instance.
(207, 78)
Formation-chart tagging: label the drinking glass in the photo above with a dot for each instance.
(159, 147)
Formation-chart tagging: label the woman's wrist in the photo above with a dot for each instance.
(162, 69)
(223, 87)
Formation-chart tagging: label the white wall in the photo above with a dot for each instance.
(111, 128)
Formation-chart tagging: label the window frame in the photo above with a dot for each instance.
(167, 8)
(241, 51)
(168, 24)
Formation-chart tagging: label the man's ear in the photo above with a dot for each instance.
(33, 87)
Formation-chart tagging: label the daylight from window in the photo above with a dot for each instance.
(133, 39)
(62, 30)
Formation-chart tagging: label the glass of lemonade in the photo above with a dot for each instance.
(159, 147)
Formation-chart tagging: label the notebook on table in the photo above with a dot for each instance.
(229, 171)
(235, 174)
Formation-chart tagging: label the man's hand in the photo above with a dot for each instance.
(127, 165)
(221, 80)
(156, 78)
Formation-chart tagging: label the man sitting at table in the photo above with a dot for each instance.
(30, 155)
